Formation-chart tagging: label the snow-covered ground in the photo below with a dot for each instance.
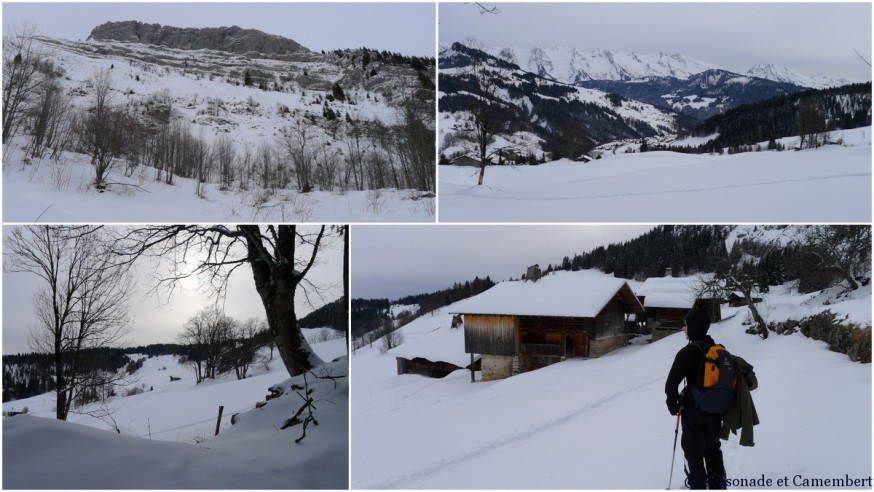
(602, 423)
(166, 434)
(60, 193)
(828, 184)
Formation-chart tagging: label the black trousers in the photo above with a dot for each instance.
(702, 450)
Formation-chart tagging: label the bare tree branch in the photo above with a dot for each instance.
(487, 10)
(867, 62)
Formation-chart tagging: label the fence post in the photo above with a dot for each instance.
(218, 421)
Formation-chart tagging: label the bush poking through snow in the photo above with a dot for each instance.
(307, 405)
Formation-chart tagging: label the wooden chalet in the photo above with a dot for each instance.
(524, 325)
(464, 160)
(668, 299)
(737, 299)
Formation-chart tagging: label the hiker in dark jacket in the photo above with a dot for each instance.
(701, 430)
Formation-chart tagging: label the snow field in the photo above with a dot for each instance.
(47, 192)
(254, 453)
(829, 184)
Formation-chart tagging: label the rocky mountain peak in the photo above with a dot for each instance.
(232, 39)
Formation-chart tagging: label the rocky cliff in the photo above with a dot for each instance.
(231, 39)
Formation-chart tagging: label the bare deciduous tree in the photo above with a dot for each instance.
(391, 337)
(298, 147)
(21, 77)
(844, 250)
(416, 140)
(226, 157)
(356, 151)
(51, 120)
(486, 109)
(105, 129)
(243, 346)
(206, 334)
(81, 306)
(280, 258)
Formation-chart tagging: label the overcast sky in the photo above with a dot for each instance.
(157, 320)
(392, 262)
(407, 28)
(809, 38)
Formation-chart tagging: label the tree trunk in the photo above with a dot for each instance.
(276, 282)
(60, 388)
(482, 171)
(763, 327)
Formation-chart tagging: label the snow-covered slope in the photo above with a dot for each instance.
(602, 423)
(166, 433)
(829, 184)
(204, 90)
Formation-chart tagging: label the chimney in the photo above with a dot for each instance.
(669, 272)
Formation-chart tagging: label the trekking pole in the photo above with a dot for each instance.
(674, 456)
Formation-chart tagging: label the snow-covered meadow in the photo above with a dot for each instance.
(828, 184)
(166, 437)
(602, 423)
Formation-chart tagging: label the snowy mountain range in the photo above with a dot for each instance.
(783, 74)
(573, 65)
(534, 107)
(701, 95)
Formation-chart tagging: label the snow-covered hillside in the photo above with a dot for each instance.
(204, 91)
(602, 423)
(166, 433)
(828, 184)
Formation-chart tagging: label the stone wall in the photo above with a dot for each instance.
(496, 367)
(658, 334)
(606, 345)
(849, 338)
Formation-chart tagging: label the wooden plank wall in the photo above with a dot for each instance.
(611, 320)
(490, 334)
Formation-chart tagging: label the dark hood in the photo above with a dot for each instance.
(697, 322)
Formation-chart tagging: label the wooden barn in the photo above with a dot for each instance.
(524, 325)
(667, 300)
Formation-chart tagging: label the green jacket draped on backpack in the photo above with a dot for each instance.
(742, 412)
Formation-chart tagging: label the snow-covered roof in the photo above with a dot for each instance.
(669, 292)
(581, 294)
